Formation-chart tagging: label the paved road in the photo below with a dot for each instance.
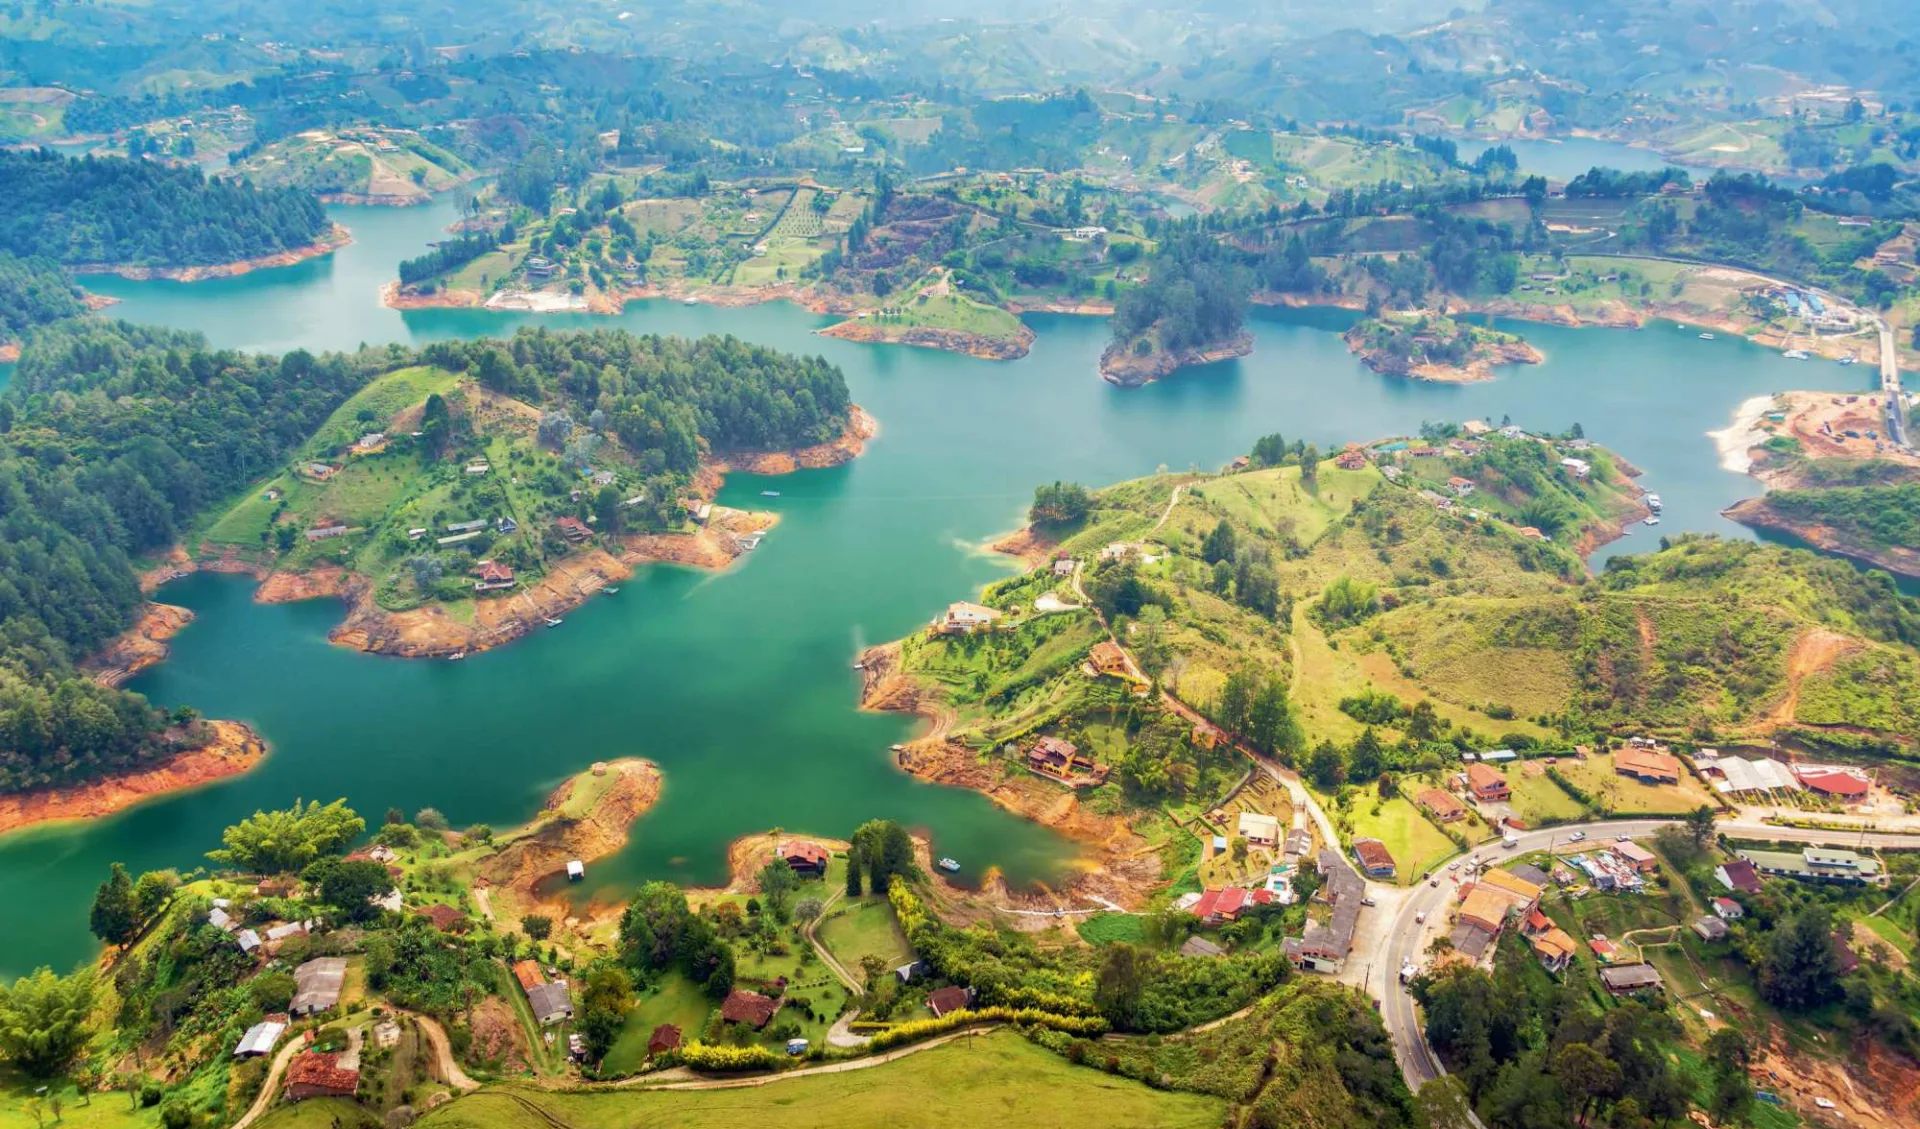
(1890, 383)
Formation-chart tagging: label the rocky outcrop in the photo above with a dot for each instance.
(1121, 365)
(1756, 513)
(143, 645)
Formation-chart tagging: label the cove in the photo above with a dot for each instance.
(739, 684)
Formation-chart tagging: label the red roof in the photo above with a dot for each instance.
(492, 572)
(529, 975)
(573, 525)
(811, 854)
(1538, 920)
(1741, 875)
(1833, 781)
(1373, 854)
(665, 1037)
(1230, 901)
(1484, 779)
(322, 1071)
(1646, 762)
(940, 1001)
(445, 918)
(750, 1008)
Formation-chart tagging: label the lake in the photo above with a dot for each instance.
(1563, 159)
(740, 684)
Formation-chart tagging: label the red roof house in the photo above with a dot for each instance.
(1738, 875)
(1647, 765)
(573, 529)
(665, 1037)
(1834, 781)
(940, 1001)
(804, 857)
(1487, 783)
(529, 975)
(750, 1008)
(1228, 904)
(314, 1074)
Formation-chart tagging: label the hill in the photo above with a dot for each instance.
(357, 166)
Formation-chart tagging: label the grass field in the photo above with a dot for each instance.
(1416, 844)
(951, 310)
(1537, 800)
(674, 999)
(319, 1113)
(997, 1078)
(853, 930)
(1624, 795)
(112, 1110)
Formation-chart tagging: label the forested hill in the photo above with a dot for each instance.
(34, 292)
(138, 213)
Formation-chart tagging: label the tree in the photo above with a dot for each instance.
(274, 842)
(1798, 968)
(116, 915)
(1121, 981)
(1310, 469)
(603, 1007)
(1699, 824)
(537, 926)
(45, 1020)
(806, 911)
(607, 509)
(887, 849)
(1062, 503)
(1220, 544)
(1731, 1093)
(654, 925)
(777, 884)
(350, 886)
(1326, 767)
(153, 890)
(855, 862)
(1586, 1074)
(430, 819)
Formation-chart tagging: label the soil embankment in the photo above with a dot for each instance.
(930, 337)
(844, 448)
(327, 244)
(1119, 364)
(586, 818)
(234, 749)
(143, 645)
(9, 352)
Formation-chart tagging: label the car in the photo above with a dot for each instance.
(1433, 882)
(1623, 838)
(1579, 835)
(1454, 865)
(1367, 900)
(1420, 918)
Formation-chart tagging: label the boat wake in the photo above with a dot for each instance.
(1737, 438)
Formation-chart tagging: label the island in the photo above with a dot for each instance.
(1191, 309)
(938, 313)
(1431, 346)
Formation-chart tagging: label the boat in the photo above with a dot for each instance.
(949, 865)
(456, 656)
(1653, 502)
(1849, 359)
(1706, 337)
(1795, 354)
(1653, 520)
(689, 300)
(553, 622)
(769, 493)
(576, 870)
(609, 591)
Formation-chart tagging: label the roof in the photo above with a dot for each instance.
(1510, 884)
(549, 1001)
(316, 1068)
(1630, 977)
(1373, 854)
(318, 984)
(1481, 777)
(529, 975)
(966, 611)
(751, 1008)
(1440, 802)
(1634, 853)
(810, 853)
(1527, 872)
(1555, 944)
(1740, 875)
(1712, 928)
(940, 1001)
(1484, 907)
(259, 1038)
(1470, 940)
(1835, 781)
(665, 1037)
(1762, 775)
(493, 571)
(1201, 947)
(445, 918)
(1344, 889)
(1646, 762)
(1254, 824)
(1727, 907)
(1229, 901)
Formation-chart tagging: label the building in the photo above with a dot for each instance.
(806, 859)
(220, 919)
(1815, 864)
(1523, 894)
(1063, 566)
(1374, 858)
(1485, 908)
(943, 1001)
(1579, 468)
(319, 472)
(1637, 856)
(1299, 843)
(259, 1039)
(1055, 756)
(1647, 766)
(1260, 830)
(1488, 785)
(750, 1008)
(1726, 909)
(1325, 945)
(445, 918)
(314, 1074)
(528, 974)
(1711, 929)
(1353, 458)
(1461, 487)
(478, 466)
(964, 619)
(492, 576)
(505, 524)
(1846, 783)
(603, 478)
(551, 1003)
(573, 529)
(1217, 907)
(1626, 979)
(1441, 805)
(1738, 875)
(317, 985)
(1555, 948)
(1739, 775)
(1108, 659)
(665, 1037)
(326, 532)
(1470, 940)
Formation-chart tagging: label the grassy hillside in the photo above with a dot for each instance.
(387, 165)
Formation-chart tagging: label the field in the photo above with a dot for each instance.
(112, 1110)
(1624, 795)
(993, 1078)
(1537, 800)
(318, 1113)
(396, 164)
(853, 930)
(673, 999)
(1273, 503)
(1415, 843)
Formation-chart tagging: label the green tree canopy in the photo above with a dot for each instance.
(273, 842)
(45, 1020)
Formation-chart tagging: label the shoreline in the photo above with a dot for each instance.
(234, 749)
(431, 632)
(1120, 367)
(1756, 513)
(931, 337)
(144, 645)
(1475, 370)
(540, 849)
(327, 244)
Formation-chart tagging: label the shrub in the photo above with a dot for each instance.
(706, 1056)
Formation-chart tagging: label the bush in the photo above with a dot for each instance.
(706, 1056)
(1086, 1025)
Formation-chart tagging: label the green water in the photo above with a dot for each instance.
(740, 684)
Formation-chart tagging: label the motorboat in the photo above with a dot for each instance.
(949, 865)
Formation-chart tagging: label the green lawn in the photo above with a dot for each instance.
(104, 1111)
(319, 1113)
(997, 1078)
(1538, 801)
(1416, 845)
(853, 930)
(676, 1000)
(1625, 795)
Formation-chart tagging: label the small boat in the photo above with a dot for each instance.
(1653, 502)
(456, 656)
(1795, 354)
(1849, 359)
(689, 300)
(949, 865)
(1653, 521)
(553, 622)
(576, 870)
(1706, 337)
(769, 493)
(609, 591)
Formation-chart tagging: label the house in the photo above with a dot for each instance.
(317, 985)
(1216, 907)
(1711, 929)
(1441, 804)
(1299, 843)
(1108, 659)
(1470, 940)
(319, 472)
(1637, 856)
(528, 974)
(479, 466)
(326, 532)
(1260, 830)
(1815, 864)
(806, 859)
(665, 1037)
(1529, 873)
(220, 919)
(1738, 875)
(1555, 948)
(1353, 458)
(285, 931)
(551, 1003)
(573, 529)
(445, 918)
(1055, 756)
(964, 619)
(1523, 894)
(1604, 949)
(1200, 947)
(416, 533)
(1486, 908)
(474, 526)
(1460, 486)
(1373, 858)
(313, 1074)
(1489, 785)
(1579, 468)
(942, 1001)
(1647, 766)
(603, 478)
(370, 442)
(1325, 945)
(1846, 783)
(1498, 756)
(259, 1039)
(505, 525)
(1626, 979)
(1740, 775)
(1063, 566)
(492, 576)
(1726, 909)
(750, 1008)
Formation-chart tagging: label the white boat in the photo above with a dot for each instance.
(1706, 337)
(769, 493)
(1849, 359)
(949, 865)
(1653, 521)
(576, 870)
(553, 622)
(689, 300)
(609, 591)
(1653, 502)
(1795, 354)
(456, 656)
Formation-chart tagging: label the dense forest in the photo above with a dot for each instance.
(666, 397)
(1195, 295)
(1872, 517)
(34, 292)
(137, 213)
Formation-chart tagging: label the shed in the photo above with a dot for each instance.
(259, 1039)
(317, 985)
(942, 1001)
